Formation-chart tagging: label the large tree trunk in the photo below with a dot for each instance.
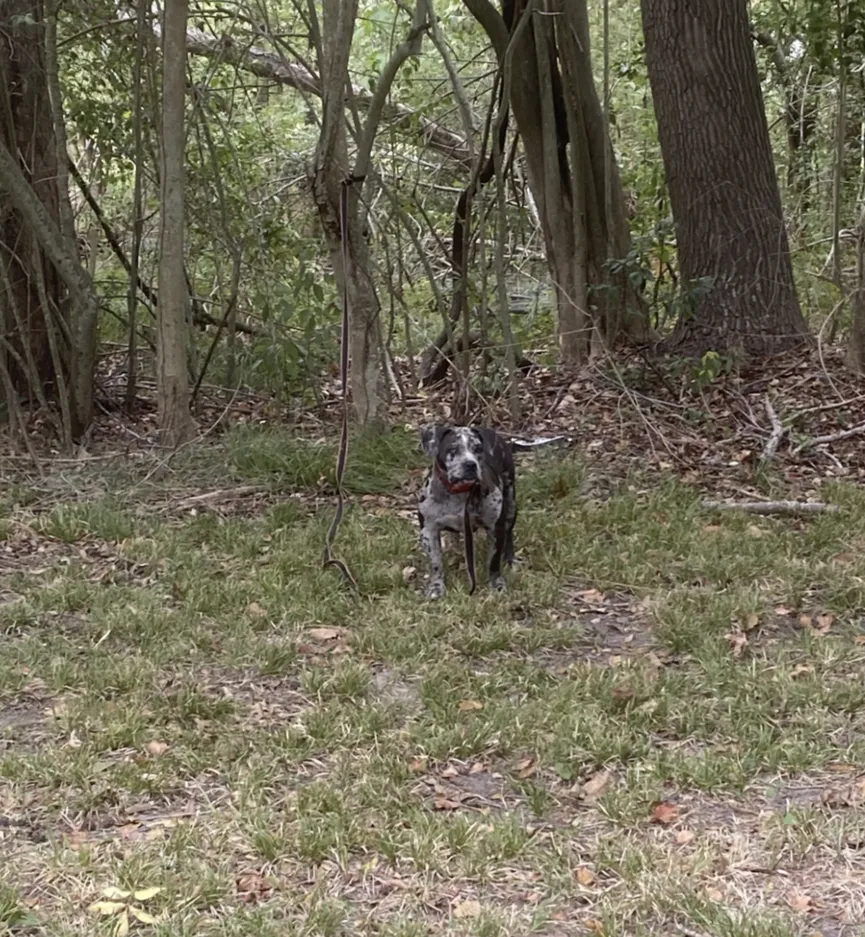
(720, 173)
(27, 132)
(570, 166)
(350, 257)
(172, 377)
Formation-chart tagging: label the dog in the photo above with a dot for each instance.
(471, 486)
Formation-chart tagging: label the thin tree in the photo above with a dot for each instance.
(544, 51)
(732, 239)
(172, 377)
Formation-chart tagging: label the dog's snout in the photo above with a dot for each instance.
(469, 469)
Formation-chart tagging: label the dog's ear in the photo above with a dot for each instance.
(430, 437)
(479, 436)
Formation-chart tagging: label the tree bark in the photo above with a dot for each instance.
(172, 377)
(27, 133)
(543, 47)
(724, 192)
(350, 254)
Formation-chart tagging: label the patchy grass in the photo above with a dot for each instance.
(658, 729)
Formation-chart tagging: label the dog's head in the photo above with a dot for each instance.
(458, 454)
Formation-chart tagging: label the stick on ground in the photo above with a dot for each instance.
(772, 507)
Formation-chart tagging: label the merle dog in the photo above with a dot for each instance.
(472, 481)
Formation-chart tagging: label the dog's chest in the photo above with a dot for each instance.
(447, 511)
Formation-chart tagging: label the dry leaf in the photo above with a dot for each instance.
(756, 531)
(408, 573)
(592, 596)
(468, 705)
(584, 876)
(478, 768)
(683, 837)
(824, 623)
(324, 634)
(714, 894)
(416, 765)
(800, 902)
(844, 558)
(445, 803)
(597, 785)
(711, 528)
(526, 768)
(142, 915)
(145, 894)
(107, 907)
(783, 611)
(859, 639)
(665, 813)
(115, 894)
(805, 621)
(121, 929)
(256, 610)
(738, 642)
(156, 748)
(751, 622)
(467, 909)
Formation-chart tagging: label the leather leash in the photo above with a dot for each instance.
(328, 559)
(469, 542)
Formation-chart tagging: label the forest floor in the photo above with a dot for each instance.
(659, 728)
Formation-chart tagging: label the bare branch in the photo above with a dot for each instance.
(772, 507)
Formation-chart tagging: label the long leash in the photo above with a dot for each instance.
(328, 559)
(469, 543)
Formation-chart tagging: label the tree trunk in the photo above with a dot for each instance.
(27, 132)
(570, 164)
(350, 258)
(856, 346)
(172, 377)
(732, 240)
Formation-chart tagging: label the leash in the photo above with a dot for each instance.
(469, 542)
(468, 533)
(328, 559)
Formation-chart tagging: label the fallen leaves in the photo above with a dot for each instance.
(470, 908)
(584, 876)
(253, 887)
(156, 748)
(118, 903)
(738, 642)
(470, 705)
(597, 785)
(664, 813)
(800, 901)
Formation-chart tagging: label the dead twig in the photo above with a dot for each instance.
(221, 494)
(772, 507)
(778, 432)
(833, 437)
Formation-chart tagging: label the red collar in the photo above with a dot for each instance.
(454, 488)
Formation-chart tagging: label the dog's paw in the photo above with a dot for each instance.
(497, 584)
(436, 589)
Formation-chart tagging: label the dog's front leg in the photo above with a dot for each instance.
(431, 541)
(498, 540)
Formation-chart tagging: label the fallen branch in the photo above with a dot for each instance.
(772, 507)
(834, 437)
(221, 494)
(778, 432)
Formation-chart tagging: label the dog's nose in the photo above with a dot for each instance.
(470, 470)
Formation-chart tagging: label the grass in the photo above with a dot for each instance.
(189, 702)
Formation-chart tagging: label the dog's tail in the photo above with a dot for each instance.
(529, 445)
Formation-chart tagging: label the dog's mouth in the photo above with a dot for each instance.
(458, 483)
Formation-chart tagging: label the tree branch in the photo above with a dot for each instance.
(266, 64)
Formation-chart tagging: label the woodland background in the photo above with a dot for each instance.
(510, 209)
